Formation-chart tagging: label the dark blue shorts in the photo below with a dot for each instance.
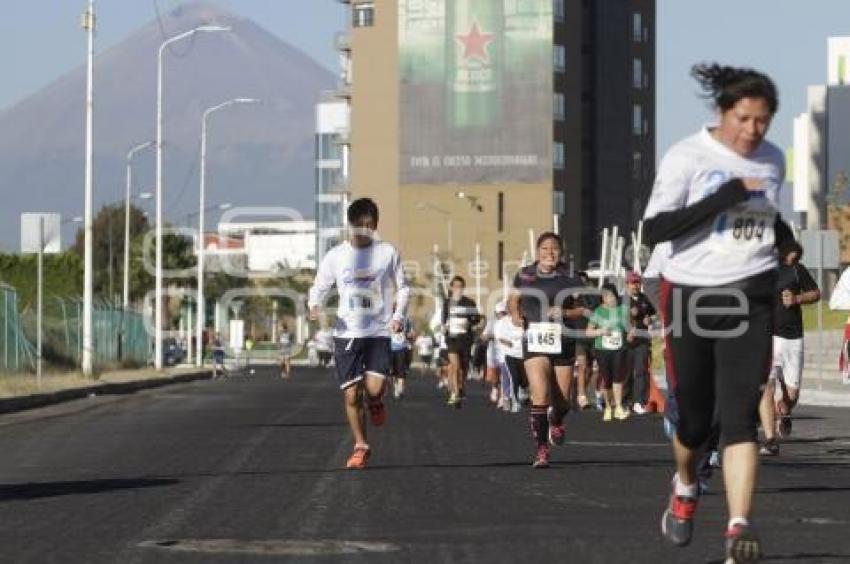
(356, 357)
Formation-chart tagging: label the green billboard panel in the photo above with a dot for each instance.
(476, 91)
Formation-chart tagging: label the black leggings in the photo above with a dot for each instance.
(611, 367)
(728, 367)
(517, 369)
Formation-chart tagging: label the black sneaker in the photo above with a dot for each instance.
(770, 448)
(742, 545)
(784, 426)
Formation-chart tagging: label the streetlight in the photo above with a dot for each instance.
(86, 364)
(446, 214)
(158, 291)
(129, 188)
(473, 200)
(201, 304)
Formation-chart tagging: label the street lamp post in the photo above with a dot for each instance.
(129, 188)
(88, 213)
(199, 334)
(158, 290)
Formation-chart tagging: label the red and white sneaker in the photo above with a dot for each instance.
(677, 523)
(358, 458)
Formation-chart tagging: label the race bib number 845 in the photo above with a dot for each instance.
(544, 338)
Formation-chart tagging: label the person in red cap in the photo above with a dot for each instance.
(639, 349)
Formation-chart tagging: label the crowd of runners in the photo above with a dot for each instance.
(723, 288)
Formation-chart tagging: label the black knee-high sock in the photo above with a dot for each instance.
(539, 423)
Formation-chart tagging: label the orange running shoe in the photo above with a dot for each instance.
(358, 458)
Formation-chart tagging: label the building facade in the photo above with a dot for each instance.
(332, 126)
(482, 123)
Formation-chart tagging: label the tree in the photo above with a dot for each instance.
(108, 246)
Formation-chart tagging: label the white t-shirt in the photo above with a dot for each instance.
(505, 330)
(324, 340)
(425, 345)
(840, 298)
(739, 243)
(364, 278)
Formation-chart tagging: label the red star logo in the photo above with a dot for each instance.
(475, 43)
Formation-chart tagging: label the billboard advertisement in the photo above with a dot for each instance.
(476, 91)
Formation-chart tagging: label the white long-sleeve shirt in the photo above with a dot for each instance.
(740, 242)
(364, 278)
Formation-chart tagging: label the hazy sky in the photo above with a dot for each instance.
(40, 40)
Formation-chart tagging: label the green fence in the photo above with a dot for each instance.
(118, 335)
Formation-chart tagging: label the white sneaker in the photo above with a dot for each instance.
(494, 395)
(515, 406)
(441, 384)
(639, 409)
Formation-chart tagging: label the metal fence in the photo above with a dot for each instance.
(118, 335)
(18, 353)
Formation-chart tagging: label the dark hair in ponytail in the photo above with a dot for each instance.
(727, 85)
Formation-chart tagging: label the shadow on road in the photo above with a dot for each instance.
(10, 492)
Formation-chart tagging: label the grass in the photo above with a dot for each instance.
(17, 385)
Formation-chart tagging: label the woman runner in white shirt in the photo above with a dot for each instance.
(715, 200)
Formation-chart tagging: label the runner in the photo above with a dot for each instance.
(425, 349)
(442, 361)
(639, 349)
(795, 287)
(584, 347)
(324, 345)
(286, 341)
(460, 316)
(541, 303)
(364, 270)
(609, 326)
(508, 339)
(715, 200)
(492, 359)
(218, 357)
(399, 349)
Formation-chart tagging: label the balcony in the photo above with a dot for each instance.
(343, 91)
(342, 41)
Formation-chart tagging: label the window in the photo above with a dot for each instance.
(559, 10)
(637, 28)
(559, 106)
(501, 260)
(637, 165)
(501, 212)
(559, 205)
(364, 15)
(637, 73)
(637, 119)
(558, 156)
(560, 58)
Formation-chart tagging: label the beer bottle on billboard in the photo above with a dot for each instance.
(475, 34)
(422, 32)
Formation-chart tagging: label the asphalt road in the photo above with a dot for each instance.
(250, 470)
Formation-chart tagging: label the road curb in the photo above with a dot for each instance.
(23, 403)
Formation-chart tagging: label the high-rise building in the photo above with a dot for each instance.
(332, 115)
(476, 121)
(821, 164)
